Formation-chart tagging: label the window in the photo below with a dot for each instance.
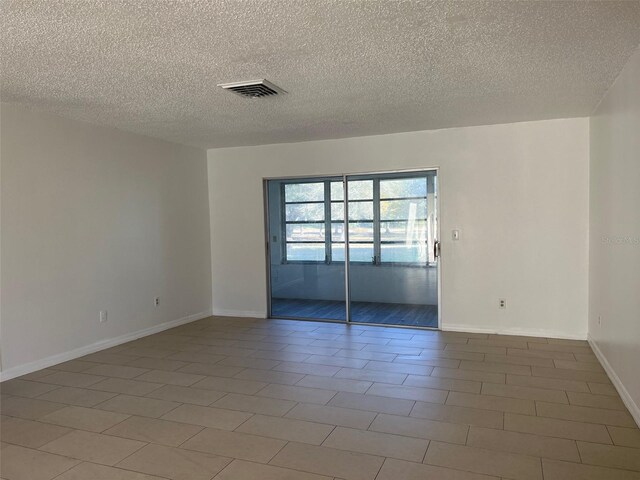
(388, 221)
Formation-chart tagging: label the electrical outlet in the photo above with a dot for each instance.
(502, 303)
(103, 316)
(156, 301)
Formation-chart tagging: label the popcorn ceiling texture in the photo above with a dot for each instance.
(351, 67)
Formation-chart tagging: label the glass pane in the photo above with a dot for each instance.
(311, 252)
(337, 232)
(403, 231)
(337, 210)
(403, 187)
(360, 190)
(361, 252)
(337, 252)
(337, 191)
(305, 212)
(402, 209)
(304, 192)
(305, 232)
(360, 210)
(404, 253)
(361, 232)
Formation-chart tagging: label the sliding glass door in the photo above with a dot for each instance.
(383, 268)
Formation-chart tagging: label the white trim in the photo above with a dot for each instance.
(221, 312)
(97, 346)
(527, 332)
(632, 406)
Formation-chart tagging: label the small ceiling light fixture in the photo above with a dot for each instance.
(253, 89)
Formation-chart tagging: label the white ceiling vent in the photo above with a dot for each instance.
(253, 88)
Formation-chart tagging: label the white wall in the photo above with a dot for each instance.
(95, 219)
(614, 286)
(518, 193)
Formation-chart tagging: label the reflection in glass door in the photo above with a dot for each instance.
(393, 275)
(387, 254)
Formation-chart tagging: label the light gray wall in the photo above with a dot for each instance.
(614, 260)
(518, 193)
(95, 219)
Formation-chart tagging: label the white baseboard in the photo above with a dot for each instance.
(96, 347)
(527, 332)
(238, 313)
(629, 402)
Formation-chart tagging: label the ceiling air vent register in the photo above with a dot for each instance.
(253, 89)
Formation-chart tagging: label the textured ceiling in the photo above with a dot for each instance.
(351, 67)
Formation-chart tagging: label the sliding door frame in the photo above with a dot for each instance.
(345, 176)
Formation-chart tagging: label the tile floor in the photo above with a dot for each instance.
(235, 399)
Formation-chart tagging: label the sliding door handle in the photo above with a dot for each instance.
(436, 249)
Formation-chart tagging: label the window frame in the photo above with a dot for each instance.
(329, 222)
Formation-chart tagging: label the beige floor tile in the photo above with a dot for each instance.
(170, 378)
(500, 341)
(550, 383)
(92, 471)
(625, 437)
(298, 394)
(196, 396)
(80, 397)
(141, 351)
(210, 370)
(332, 415)
(462, 347)
(355, 353)
(496, 368)
(83, 418)
(157, 364)
(371, 375)
(585, 366)
(344, 362)
(552, 427)
(517, 360)
(401, 470)
(597, 401)
(281, 356)
(440, 383)
(491, 402)
(173, 463)
(30, 408)
(328, 461)
(105, 357)
(36, 375)
(93, 447)
(570, 374)
(120, 371)
(73, 366)
(269, 376)
(399, 367)
(25, 388)
(154, 430)
(20, 463)
(123, 385)
(520, 352)
(28, 433)
(420, 428)
(602, 389)
(610, 456)
(557, 470)
(248, 362)
(373, 403)
(523, 443)
(469, 374)
(557, 345)
(253, 404)
(207, 416)
(235, 445)
(408, 393)
(585, 414)
(532, 393)
(339, 384)
(230, 385)
(143, 406)
(196, 357)
(376, 443)
(478, 460)
(286, 429)
(71, 379)
(241, 469)
(307, 369)
(463, 415)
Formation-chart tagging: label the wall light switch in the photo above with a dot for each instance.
(455, 234)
